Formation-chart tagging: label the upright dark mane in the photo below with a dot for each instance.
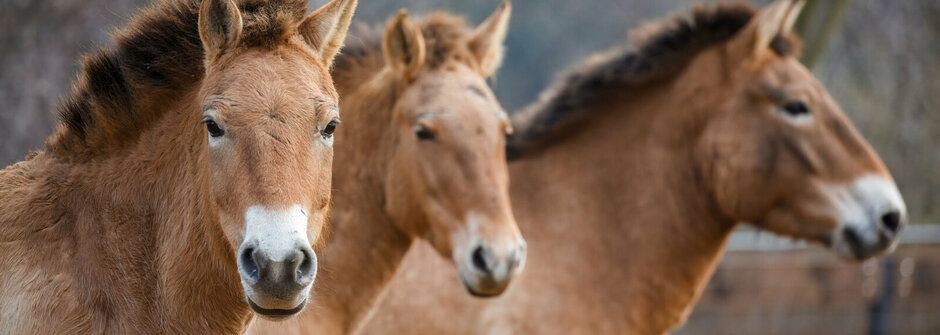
(159, 54)
(663, 51)
(443, 34)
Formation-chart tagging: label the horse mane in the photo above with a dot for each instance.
(658, 52)
(159, 54)
(444, 36)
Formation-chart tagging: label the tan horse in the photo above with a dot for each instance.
(636, 168)
(421, 155)
(187, 181)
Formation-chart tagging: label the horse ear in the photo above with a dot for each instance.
(487, 42)
(776, 19)
(794, 13)
(220, 25)
(403, 45)
(325, 29)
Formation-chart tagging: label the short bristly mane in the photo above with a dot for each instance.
(659, 52)
(444, 36)
(159, 54)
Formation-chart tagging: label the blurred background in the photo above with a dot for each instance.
(880, 59)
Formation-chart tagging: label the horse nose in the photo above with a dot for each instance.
(892, 221)
(283, 272)
(491, 269)
(486, 261)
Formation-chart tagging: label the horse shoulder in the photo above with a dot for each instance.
(36, 287)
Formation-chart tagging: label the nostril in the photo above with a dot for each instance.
(304, 267)
(479, 260)
(892, 221)
(248, 264)
(307, 264)
(852, 237)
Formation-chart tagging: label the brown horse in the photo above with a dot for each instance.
(636, 168)
(421, 155)
(187, 181)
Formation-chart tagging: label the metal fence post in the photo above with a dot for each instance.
(879, 314)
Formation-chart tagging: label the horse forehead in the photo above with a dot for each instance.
(283, 65)
(456, 74)
(455, 113)
(455, 90)
(789, 72)
(268, 89)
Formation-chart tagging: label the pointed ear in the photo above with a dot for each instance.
(220, 25)
(325, 29)
(487, 41)
(771, 21)
(792, 15)
(403, 45)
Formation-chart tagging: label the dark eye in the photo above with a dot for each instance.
(213, 128)
(796, 108)
(327, 131)
(423, 133)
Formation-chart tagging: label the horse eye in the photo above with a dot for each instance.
(213, 128)
(327, 131)
(423, 133)
(796, 108)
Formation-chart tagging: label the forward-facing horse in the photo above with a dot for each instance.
(421, 155)
(188, 178)
(635, 169)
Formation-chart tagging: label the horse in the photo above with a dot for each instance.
(629, 175)
(187, 180)
(421, 156)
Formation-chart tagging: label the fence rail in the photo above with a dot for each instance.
(767, 284)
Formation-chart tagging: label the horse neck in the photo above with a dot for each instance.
(352, 276)
(203, 277)
(163, 176)
(641, 207)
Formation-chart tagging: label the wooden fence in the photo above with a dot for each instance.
(770, 285)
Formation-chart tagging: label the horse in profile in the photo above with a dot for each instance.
(421, 155)
(631, 173)
(187, 181)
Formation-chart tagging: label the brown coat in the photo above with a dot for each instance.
(129, 221)
(634, 170)
(421, 156)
